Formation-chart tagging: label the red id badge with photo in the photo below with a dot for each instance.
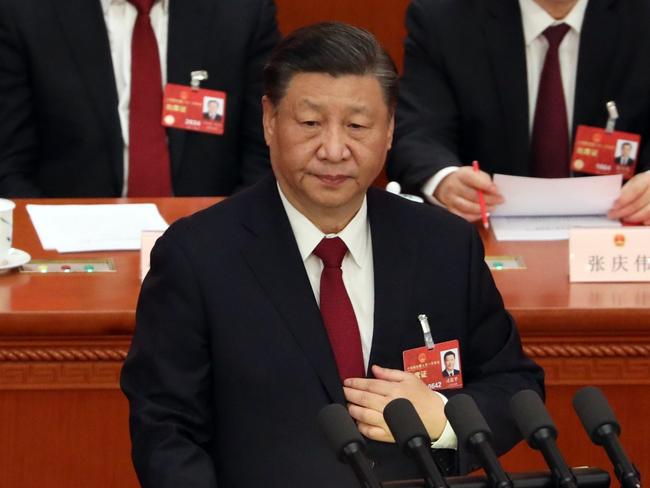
(439, 368)
(598, 152)
(199, 110)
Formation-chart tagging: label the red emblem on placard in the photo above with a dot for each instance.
(619, 240)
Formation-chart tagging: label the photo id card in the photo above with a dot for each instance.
(439, 368)
(198, 110)
(599, 152)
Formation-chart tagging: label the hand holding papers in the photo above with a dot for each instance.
(633, 205)
(78, 228)
(545, 209)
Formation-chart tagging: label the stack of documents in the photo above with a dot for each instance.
(78, 228)
(541, 209)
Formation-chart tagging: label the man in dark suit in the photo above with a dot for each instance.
(450, 365)
(625, 158)
(472, 71)
(246, 329)
(212, 112)
(64, 95)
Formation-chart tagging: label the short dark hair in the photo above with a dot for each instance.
(626, 144)
(334, 48)
(449, 353)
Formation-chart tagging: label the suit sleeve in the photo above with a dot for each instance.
(255, 163)
(18, 137)
(495, 367)
(427, 126)
(167, 377)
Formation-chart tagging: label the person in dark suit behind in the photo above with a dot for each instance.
(625, 158)
(65, 81)
(240, 342)
(450, 365)
(472, 75)
(213, 111)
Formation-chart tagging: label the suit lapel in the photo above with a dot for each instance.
(599, 39)
(505, 40)
(273, 255)
(394, 273)
(83, 26)
(190, 24)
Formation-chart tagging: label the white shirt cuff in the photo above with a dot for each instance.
(447, 439)
(429, 188)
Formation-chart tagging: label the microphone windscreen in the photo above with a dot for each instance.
(404, 422)
(531, 415)
(339, 428)
(594, 411)
(465, 418)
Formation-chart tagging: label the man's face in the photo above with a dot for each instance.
(627, 149)
(212, 108)
(328, 139)
(449, 362)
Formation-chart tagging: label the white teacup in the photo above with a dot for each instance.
(6, 227)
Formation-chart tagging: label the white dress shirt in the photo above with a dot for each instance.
(358, 277)
(119, 16)
(535, 20)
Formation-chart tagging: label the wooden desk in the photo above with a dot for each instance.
(63, 339)
(582, 334)
(62, 342)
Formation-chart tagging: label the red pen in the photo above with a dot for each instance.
(481, 201)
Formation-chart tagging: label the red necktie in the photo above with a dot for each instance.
(550, 141)
(149, 168)
(337, 312)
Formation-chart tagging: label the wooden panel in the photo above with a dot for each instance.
(65, 439)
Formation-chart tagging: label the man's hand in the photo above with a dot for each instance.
(458, 192)
(633, 204)
(368, 397)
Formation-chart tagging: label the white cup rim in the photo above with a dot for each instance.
(6, 205)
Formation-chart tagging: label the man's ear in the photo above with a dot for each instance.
(268, 119)
(391, 131)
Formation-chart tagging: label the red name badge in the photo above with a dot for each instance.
(199, 110)
(439, 367)
(599, 152)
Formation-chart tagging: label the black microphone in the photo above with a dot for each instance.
(474, 433)
(537, 427)
(412, 437)
(346, 441)
(601, 425)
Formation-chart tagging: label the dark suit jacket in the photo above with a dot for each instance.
(59, 126)
(464, 94)
(207, 116)
(619, 160)
(230, 362)
(445, 373)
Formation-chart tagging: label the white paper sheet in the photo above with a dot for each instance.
(78, 228)
(554, 228)
(534, 197)
(540, 209)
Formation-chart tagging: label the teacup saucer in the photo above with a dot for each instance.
(15, 258)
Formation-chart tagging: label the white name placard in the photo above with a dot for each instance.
(609, 255)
